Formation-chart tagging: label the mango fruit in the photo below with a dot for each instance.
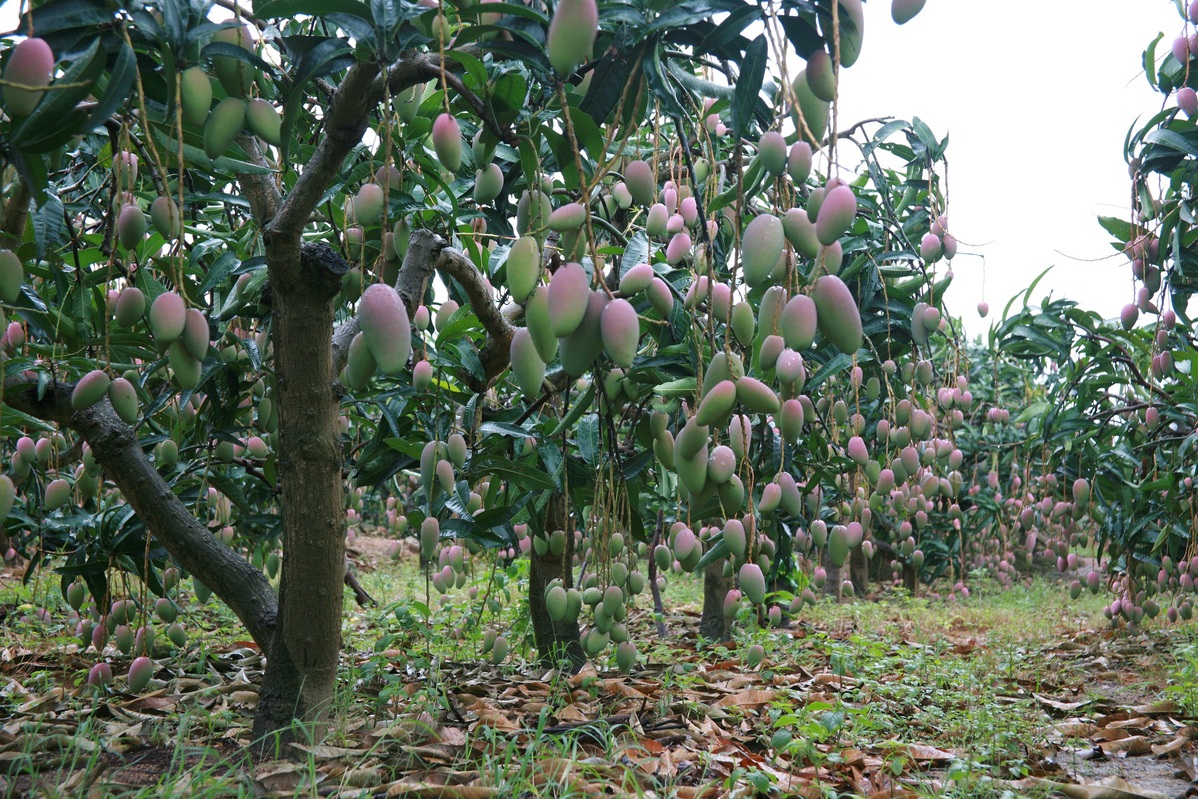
(264, 121)
(572, 32)
(752, 583)
(12, 274)
(31, 64)
(813, 111)
(761, 247)
(447, 142)
(195, 96)
(123, 397)
(235, 76)
(569, 292)
(165, 216)
(168, 317)
(130, 306)
(641, 181)
(140, 672)
(903, 11)
(195, 333)
(90, 389)
(527, 365)
(579, 350)
(540, 325)
(223, 126)
(837, 315)
(620, 329)
(385, 325)
(798, 322)
(131, 226)
(836, 214)
(488, 183)
(570, 216)
(186, 368)
(821, 75)
(771, 149)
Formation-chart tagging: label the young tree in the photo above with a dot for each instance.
(632, 221)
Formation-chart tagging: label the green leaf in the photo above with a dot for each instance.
(518, 475)
(289, 9)
(588, 438)
(1119, 228)
(748, 85)
(803, 35)
(116, 92)
(62, 15)
(614, 77)
(503, 429)
(577, 407)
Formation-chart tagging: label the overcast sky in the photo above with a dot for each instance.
(1038, 96)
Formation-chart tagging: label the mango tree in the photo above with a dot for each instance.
(562, 270)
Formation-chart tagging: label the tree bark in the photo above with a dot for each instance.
(713, 625)
(558, 643)
(859, 570)
(301, 670)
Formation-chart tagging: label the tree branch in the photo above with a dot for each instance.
(243, 588)
(344, 125)
(496, 353)
(260, 189)
(428, 252)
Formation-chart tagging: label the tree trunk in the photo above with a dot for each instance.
(712, 624)
(301, 668)
(859, 571)
(659, 611)
(558, 642)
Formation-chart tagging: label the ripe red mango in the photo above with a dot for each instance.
(569, 291)
(384, 321)
(31, 64)
(835, 214)
(621, 332)
(447, 142)
(838, 318)
(761, 247)
(168, 317)
(641, 182)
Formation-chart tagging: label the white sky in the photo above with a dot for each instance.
(1037, 96)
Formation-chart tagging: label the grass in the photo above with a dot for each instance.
(900, 671)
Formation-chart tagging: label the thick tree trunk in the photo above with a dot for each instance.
(712, 624)
(558, 642)
(301, 670)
